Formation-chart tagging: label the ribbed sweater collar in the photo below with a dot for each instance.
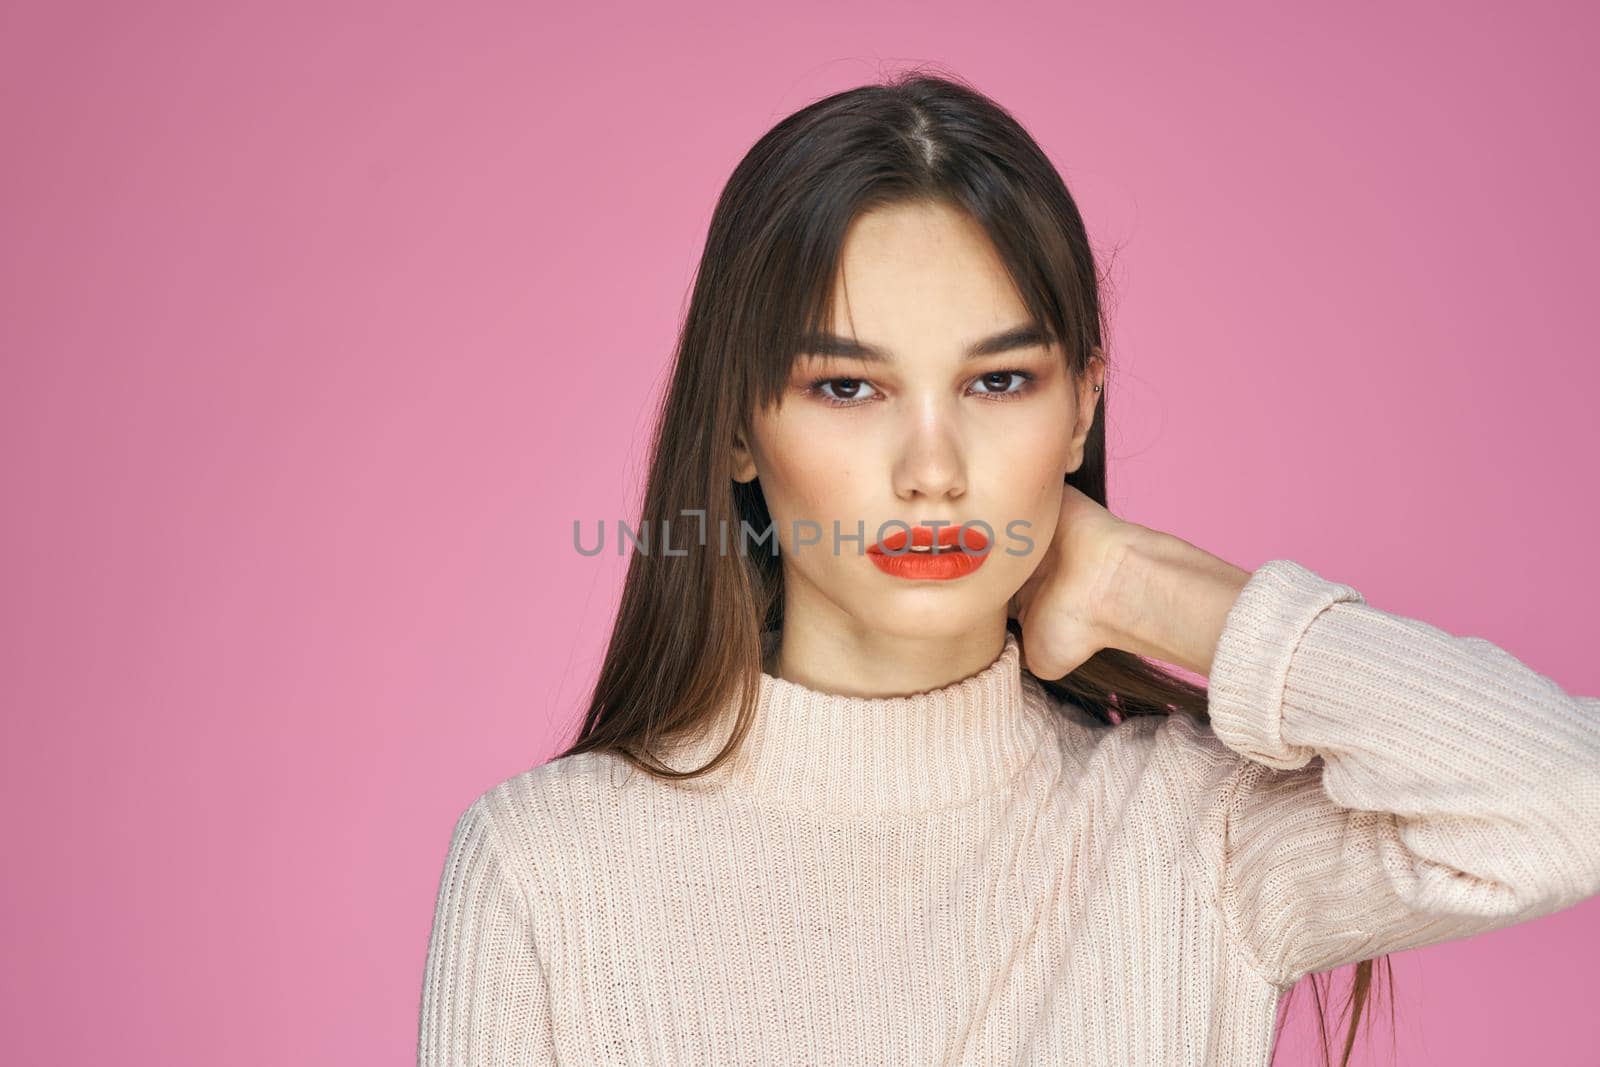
(920, 752)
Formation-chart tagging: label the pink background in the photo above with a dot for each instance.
(322, 322)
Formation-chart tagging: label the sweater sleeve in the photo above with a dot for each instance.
(1401, 786)
(484, 998)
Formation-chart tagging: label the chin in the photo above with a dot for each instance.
(930, 614)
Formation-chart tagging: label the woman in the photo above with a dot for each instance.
(956, 815)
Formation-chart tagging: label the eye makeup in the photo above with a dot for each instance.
(1024, 382)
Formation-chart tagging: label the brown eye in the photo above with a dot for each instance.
(1000, 379)
(841, 392)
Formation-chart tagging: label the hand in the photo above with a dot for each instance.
(1105, 582)
(1064, 606)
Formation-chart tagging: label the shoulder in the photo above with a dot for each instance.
(1183, 778)
(539, 815)
(1084, 737)
(556, 791)
(1179, 750)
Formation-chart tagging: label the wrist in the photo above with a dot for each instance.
(1168, 599)
(1121, 611)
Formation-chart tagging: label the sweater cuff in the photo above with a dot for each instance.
(1250, 665)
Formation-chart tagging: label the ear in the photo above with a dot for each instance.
(1088, 403)
(744, 464)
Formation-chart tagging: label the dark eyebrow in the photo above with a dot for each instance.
(1028, 335)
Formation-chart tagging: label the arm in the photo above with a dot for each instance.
(484, 998)
(1401, 786)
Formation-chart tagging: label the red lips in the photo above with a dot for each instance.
(949, 538)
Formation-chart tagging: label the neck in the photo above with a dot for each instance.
(812, 749)
(858, 662)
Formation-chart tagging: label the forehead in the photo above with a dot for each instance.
(921, 269)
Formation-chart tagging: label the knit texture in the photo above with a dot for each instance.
(984, 874)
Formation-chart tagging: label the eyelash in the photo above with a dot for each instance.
(815, 388)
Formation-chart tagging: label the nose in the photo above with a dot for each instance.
(931, 462)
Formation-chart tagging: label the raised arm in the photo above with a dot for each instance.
(484, 997)
(1400, 786)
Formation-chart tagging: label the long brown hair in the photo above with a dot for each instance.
(687, 639)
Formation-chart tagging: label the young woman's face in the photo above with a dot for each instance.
(922, 431)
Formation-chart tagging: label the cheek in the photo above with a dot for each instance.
(1027, 469)
(1035, 441)
(808, 469)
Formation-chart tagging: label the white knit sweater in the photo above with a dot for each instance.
(982, 874)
